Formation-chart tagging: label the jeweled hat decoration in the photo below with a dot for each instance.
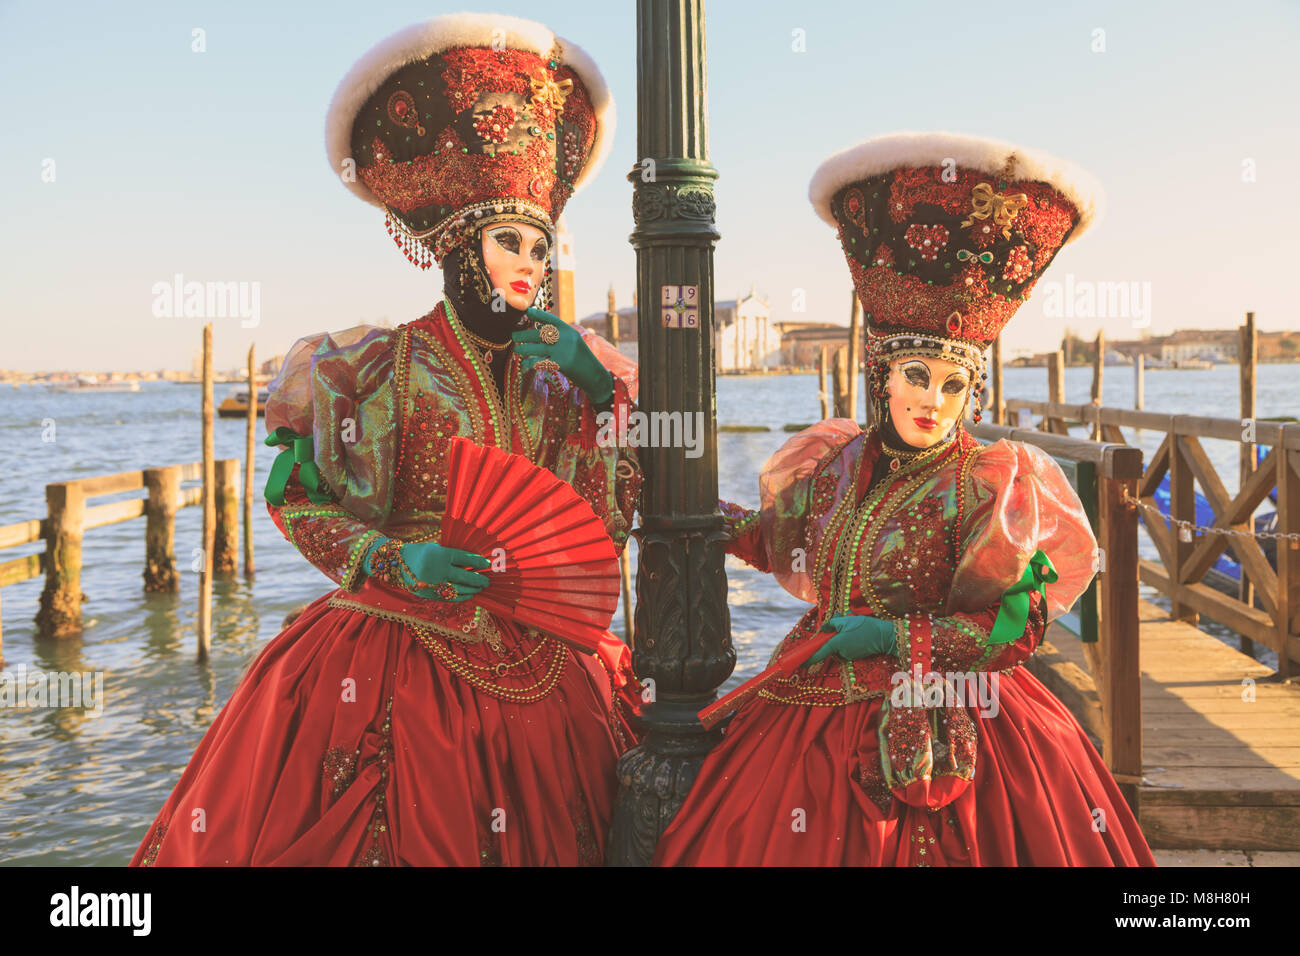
(945, 236)
(466, 120)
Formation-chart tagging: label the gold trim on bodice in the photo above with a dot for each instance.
(842, 542)
(505, 411)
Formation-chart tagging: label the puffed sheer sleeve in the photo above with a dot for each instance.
(745, 532)
(1022, 502)
(795, 495)
(339, 390)
(1019, 502)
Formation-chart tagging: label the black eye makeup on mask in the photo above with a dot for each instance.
(956, 384)
(507, 238)
(916, 373)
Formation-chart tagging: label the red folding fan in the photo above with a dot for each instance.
(561, 570)
(724, 707)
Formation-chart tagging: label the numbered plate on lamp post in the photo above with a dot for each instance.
(678, 306)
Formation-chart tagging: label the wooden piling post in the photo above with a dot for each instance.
(1288, 555)
(250, 452)
(823, 394)
(1120, 678)
(164, 486)
(1247, 356)
(225, 548)
(1139, 383)
(1182, 507)
(209, 504)
(840, 379)
(1055, 392)
(855, 353)
(1098, 369)
(999, 406)
(60, 608)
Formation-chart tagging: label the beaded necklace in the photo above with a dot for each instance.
(550, 670)
(403, 379)
(464, 386)
(488, 347)
(826, 546)
(898, 456)
(868, 525)
(872, 512)
(486, 382)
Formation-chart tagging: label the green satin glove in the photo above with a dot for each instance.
(576, 361)
(858, 636)
(299, 452)
(1013, 612)
(434, 565)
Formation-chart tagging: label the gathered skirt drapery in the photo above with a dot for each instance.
(801, 786)
(348, 743)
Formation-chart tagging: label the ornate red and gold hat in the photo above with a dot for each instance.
(468, 119)
(945, 235)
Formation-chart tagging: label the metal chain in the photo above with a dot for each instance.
(1194, 528)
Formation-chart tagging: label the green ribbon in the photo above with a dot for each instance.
(1013, 614)
(299, 452)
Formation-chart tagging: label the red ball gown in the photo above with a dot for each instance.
(835, 766)
(380, 728)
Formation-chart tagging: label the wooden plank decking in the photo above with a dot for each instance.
(1221, 770)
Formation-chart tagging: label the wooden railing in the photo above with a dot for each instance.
(1105, 475)
(1186, 551)
(69, 518)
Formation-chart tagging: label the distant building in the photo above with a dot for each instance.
(1211, 344)
(1279, 346)
(802, 342)
(1148, 348)
(745, 337)
(598, 322)
(1218, 345)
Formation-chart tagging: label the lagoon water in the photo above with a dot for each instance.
(77, 789)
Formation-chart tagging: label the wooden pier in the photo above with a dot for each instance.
(1268, 612)
(69, 517)
(1216, 733)
(1220, 736)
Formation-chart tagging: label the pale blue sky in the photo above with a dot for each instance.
(212, 164)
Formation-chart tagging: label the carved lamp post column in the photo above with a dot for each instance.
(683, 629)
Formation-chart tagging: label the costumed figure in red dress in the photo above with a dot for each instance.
(396, 720)
(913, 736)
